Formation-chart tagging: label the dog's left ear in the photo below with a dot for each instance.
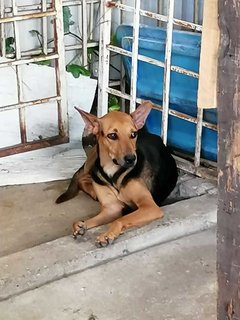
(91, 122)
(141, 113)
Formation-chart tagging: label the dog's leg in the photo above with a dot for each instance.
(81, 180)
(111, 209)
(147, 211)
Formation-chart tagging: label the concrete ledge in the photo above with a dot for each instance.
(42, 264)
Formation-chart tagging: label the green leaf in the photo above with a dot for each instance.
(44, 63)
(113, 40)
(113, 100)
(92, 49)
(67, 22)
(113, 104)
(114, 108)
(77, 70)
(8, 43)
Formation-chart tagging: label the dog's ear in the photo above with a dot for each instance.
(91, 122)
(141, 113)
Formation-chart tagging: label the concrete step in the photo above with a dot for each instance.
(34, 267)
(172, 281)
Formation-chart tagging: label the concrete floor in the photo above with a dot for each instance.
(29, 215)
(172, 281)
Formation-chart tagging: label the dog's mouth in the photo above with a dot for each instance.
(127, 161)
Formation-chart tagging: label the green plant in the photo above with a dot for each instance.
(113, 104)
(67, 22)
(9, 45)
(77, 70)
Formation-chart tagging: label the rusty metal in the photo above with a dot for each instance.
(29, 103)
(60, 71)
(156, 16)
(193, 166)
(21, 112)
(134, 60)
(185, 71)
(167, 72)
(58, 55)
(198, 140)
(172, 112)
(38, 7)
(84, 32)
(11, 63)
(50, 13)
(44, 29)
(104, 58)
(208, 172)
(33, 145)
(2, 31)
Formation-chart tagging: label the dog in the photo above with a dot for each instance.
(129, 171)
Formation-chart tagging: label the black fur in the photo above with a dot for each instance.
(153, 153)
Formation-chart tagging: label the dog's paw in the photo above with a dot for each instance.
(105, 239)
(79, 229)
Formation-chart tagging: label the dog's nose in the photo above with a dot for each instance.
(129, 159)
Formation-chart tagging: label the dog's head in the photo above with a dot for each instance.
(116, 134)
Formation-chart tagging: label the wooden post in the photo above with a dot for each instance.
(228, 244)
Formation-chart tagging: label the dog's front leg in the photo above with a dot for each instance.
(111, 209)
(147, 211)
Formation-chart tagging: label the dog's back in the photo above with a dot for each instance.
(163, 166)
(155, 165)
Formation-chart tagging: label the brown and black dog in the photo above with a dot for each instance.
(128, 170)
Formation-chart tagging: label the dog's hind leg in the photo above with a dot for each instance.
(81, 180)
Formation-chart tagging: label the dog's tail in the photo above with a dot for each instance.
(72, 190)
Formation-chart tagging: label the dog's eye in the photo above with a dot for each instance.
(112, 136)
(133, 135)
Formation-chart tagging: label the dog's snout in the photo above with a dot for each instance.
(130, 159)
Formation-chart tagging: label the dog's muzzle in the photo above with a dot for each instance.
(127, 161)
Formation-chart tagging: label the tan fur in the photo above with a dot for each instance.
(114, 198)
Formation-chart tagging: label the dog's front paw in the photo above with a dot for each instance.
(105, 239)
(79, 228)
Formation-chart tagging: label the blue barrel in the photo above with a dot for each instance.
(183, 89)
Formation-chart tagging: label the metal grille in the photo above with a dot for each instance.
(50, 15)
(106, 48)
(15, 15)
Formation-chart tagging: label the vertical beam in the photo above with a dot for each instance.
(198, 143)
(91, 21)
(44, 28)
(136, 21)
(2, 30)
(60, 69)
(228, 233)
(104, 57)
(84, 33)
(21, 112)
(167, 71)
(196, 11)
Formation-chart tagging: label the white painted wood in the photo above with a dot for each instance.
(134, 66)
(167, 71)
(2, 30)
(44, 28)
(42, 118)
(84, 19)
(60, 70)
(104, 58)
